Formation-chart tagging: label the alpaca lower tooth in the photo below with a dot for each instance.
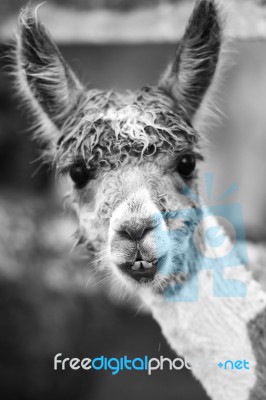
(146, 264)
(136, 266)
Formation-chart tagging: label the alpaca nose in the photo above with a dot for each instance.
(136, 230)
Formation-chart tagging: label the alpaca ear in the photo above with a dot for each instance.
(191, 72)
(48, 85)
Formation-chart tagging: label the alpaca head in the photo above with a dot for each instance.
(126, 158)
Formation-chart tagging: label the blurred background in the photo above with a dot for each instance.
(50, 299)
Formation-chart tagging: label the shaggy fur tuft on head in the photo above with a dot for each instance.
(108, 129)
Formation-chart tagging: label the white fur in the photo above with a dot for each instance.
(213, 330)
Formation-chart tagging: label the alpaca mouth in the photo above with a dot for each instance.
(141, 271)
(143, 265)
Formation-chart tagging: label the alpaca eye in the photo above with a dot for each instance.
(79, 174)
(186, 165)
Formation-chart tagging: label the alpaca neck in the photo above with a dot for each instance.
(211, 330)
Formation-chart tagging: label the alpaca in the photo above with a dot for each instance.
(125, 160)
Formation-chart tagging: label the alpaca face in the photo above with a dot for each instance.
(128, 163)
(127, 159)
